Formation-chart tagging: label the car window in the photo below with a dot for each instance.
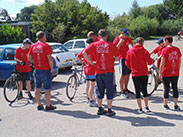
(60, 49)
(79, 44)
(9, 54)
(69, 45)
(1, 51)
(55, 47)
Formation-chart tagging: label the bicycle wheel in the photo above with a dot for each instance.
(11, 90)
(151, 85)
(71, 87)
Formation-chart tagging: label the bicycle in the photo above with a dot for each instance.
(178, 38)
(74, 81)
(153, 82)
(11, 86)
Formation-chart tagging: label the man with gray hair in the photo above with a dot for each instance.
(105, 54)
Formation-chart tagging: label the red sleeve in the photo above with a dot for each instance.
(30, 50)
(148, 58)
(48, 50)
(156, 50)
(115, 50)
(80, 55)
(127, 60)
(17, 53)
(90, 49)
(163, 53)
(116, 41)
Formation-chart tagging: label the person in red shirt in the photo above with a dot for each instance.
(40, 55)
(21, 57)
(169, 70)
(158, 50)
(89, 71)
(92, 35)
(105, 54)
(122, 43)
(137, 59)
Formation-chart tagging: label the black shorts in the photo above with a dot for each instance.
(24, 75)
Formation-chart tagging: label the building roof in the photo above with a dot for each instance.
(17, 23)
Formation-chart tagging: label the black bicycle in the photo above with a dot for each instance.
(11, 86)
(74, 81)
(153, 78)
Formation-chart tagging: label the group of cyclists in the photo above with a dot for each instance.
(99, 57)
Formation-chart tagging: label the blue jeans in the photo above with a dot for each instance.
(42, 77)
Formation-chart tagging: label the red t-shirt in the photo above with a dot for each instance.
(88, 68)
(137, 59)
(124, 47)
(39, 51)
(158, 50)
(172, 57)
(21, 54)
(97, 39)
(104, 53)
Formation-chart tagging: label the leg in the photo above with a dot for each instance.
(144, 81)
(126, 82)
(174, 83)
(87, 88)
(166, 83)
(37, 95)
(28, 85)
(47, 96)
(91, 90)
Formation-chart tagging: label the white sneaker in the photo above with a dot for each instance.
(123, 94)
(140, 111)
(147, 109)
(92, 104)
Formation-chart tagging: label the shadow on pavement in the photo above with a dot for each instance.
(2, 83)
(142, 122)
(76, 114)
(58, 85)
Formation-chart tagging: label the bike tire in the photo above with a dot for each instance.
(11, 90)
(151, 85)
(71, 86)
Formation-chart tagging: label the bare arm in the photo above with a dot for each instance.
(30, 58)
(162, 64)
(87, 58)
(50, 60)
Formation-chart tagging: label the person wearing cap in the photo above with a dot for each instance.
(24, 67)
(40, 54)
(122, 42)
(92, 35)
(158, 50)
(89, 71)
(137, 60)
(179, 35)
(169, 70)
(104, 53)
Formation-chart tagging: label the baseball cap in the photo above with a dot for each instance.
(160, 41)
(27, 41)
(125, 31)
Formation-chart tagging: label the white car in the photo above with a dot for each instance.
(75, 46)
(63, 58)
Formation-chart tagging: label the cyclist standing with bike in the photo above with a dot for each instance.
(137, 59)
(169, 70)
(105, 54)
(40, 55)
(24, 67)
(122, 43)
(89, 71)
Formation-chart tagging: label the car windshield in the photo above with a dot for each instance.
(58, 49)
(9, 54)
(1, 51)
(69, 45)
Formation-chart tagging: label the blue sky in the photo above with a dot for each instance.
(112, 7)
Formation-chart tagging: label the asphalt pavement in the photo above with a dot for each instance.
(77, 119)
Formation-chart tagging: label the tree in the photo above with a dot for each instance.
(11, 34)
(135, 10)
(76, 18)
(26, 13)
(176, 7)
(4, 14)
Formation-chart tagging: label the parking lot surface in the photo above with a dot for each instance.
(77, 119)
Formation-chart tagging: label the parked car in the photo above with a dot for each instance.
(7, 62)
(63, 57)
(75, 46)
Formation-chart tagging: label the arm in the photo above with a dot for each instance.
(162, 64)
(30, 58)
(50, 60)
(87, 58)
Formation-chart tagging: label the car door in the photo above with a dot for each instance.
(7, 62)
(79, 46)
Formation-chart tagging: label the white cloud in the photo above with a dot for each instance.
(29, 2)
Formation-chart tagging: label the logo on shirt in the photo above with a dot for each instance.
(38, 49)
(173, 57)
(102, 48)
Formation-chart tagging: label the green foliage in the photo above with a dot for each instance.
(176, 8)
(171, 27)
(4, 13)
(77, 19)
(116, 25)
(135, 11)
(11, 34)
(58, 34)
(26, 13)
(143, 26)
